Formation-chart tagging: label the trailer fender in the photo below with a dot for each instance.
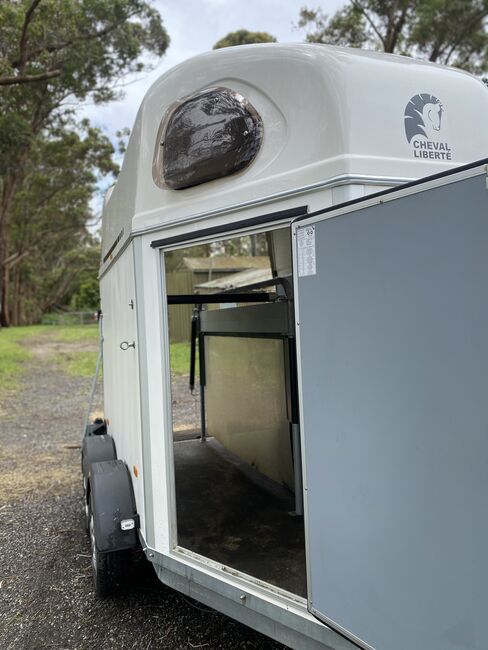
(95, 448)
(97, 428)
(115, 517)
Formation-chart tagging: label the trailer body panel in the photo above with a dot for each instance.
(121, 368)
(393, 319)
(336, 129)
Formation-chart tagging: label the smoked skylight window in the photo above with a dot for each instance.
(212, 134)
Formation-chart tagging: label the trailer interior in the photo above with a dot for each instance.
(236, 440)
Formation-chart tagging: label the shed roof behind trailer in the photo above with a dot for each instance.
(327, 113)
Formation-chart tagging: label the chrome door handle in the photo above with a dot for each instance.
(125, 345)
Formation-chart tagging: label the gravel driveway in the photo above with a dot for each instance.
(46, 592)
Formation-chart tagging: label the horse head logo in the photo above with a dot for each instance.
(423, 115)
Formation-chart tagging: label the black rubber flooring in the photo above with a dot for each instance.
(230, 513)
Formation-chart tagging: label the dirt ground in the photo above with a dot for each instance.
(46, 592)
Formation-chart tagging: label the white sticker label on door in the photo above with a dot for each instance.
(306, 250)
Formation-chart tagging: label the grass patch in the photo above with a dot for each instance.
(13, 355)
(180, 358)
(74, 333)
(78, 363)
(81, 363)
(35, 475)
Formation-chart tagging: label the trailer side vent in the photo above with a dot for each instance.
(210, 135)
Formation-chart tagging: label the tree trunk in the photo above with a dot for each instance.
(5, 315)
(4, 277)
(15, 315)
(254, 245)
(7, 195)
(10, 184)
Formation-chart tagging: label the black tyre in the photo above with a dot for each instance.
(87, 509)
(110, 569)
(87, 518)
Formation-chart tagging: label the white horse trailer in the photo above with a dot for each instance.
(332, 491)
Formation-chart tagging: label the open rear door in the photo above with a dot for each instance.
(392, 322)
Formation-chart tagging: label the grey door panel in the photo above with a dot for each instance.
(394, 377)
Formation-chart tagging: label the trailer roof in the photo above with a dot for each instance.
(236, 280)
(327, 113)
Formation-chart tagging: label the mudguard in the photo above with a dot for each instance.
(97, 428)
(96, 448)
(112, 501)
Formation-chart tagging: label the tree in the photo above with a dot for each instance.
(451, 32)
(81, 43)
(50, 248)
(53, 55)
(244, 37)
(87, 296)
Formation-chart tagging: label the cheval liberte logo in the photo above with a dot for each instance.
(423, 124)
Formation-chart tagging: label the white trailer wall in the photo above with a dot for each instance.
(121, 380)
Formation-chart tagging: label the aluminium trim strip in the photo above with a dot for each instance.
(335, 181)
(349, 636)
(114, 245)
(395, 192)
(237, 225)
(140, 315)
(245, 599)
(238, 579)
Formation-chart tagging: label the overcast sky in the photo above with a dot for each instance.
(194, 26)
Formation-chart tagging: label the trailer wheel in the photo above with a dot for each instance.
(110, 569)
(87, 510)
(86, 506)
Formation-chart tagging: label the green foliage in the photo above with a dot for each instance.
(451, 33)
(123, 138)
(51, 250)
(83, 47)
(246, 245)
(345, 28)
(53, 56)
(88, 295)
(180, 358)
(244, 37)
(15, 138)
(80, 47)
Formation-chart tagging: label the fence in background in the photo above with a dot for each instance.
(70, 318)
(184, 282)
(178, 282)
